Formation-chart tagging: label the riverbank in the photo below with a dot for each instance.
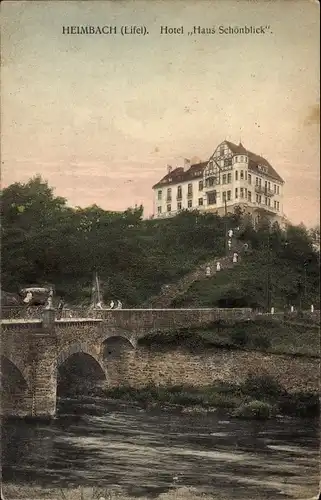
(183, 493)
(258, 397)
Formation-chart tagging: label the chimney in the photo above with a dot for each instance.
(187, 163)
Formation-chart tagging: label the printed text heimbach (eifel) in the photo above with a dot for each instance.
(105, 30)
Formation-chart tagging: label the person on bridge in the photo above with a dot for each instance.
(112, 304)
(60, 307)
(229, 244)
(99, 305)
(218, 266)
(235, 257)
(28, 298)
(119, 305)
(208, 271)
(230, 233)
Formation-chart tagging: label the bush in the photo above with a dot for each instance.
(300, 405)
(261, 342)
(239, 338)
(255, 409)
(263, 386)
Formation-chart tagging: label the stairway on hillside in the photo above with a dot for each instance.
(164, 299)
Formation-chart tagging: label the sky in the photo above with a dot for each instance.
(101, 116)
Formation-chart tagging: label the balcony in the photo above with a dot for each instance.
(264, 190)
(168, 199)
(179, 197)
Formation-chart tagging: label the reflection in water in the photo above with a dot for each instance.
(149, 452)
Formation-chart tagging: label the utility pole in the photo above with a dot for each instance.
(268, 275)
(305, 283)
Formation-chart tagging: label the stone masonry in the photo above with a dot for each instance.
(35, 348)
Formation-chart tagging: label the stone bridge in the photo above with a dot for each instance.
(34, 348)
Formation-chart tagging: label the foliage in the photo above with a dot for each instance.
(44, 241)
(244, 400)
(259, 410)
(263, 386)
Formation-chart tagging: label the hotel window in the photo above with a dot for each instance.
(269, 202)
(242, 174)
(179, 192)
(236, 175)
(189, 189)
(200, 186)
(169, 194)
(242, 158)
(245, 175)
(260, 199)
(249, 196)
(159, 194)
(200, 202)
(211, 198)
(257, 198)
(210, 181)
(245, 191)
(179, 206)
(269, 185)
(249, 178)
(274, 205)
(229, 178)
(189, 204)
(236, 159)
(159, 209)
(236, 193)
(278, 189)
(256, 181)
(266, 200)
(277, 205)
(224, 195)
(169, 208)
(229, 194)
(275, 188)
(241, 193)
(228, 162)
(224, 179)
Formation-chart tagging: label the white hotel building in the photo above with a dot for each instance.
(233, 176)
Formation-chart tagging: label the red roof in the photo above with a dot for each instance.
(254, 160)
(196, 171)
(179, 175)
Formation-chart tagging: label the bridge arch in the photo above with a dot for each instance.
(79, 368)
(7, 363)
(114, 333)
(79, 347)
(14, 388)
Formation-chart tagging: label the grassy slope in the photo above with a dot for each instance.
(263, 335)
(245, 285)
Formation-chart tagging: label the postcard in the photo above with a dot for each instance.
(160, 244)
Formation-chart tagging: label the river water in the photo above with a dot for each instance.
(96, 442)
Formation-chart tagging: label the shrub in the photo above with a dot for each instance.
(262, 386)
(261, 342)
(300, 405)
(254, 409)
(239, 338)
